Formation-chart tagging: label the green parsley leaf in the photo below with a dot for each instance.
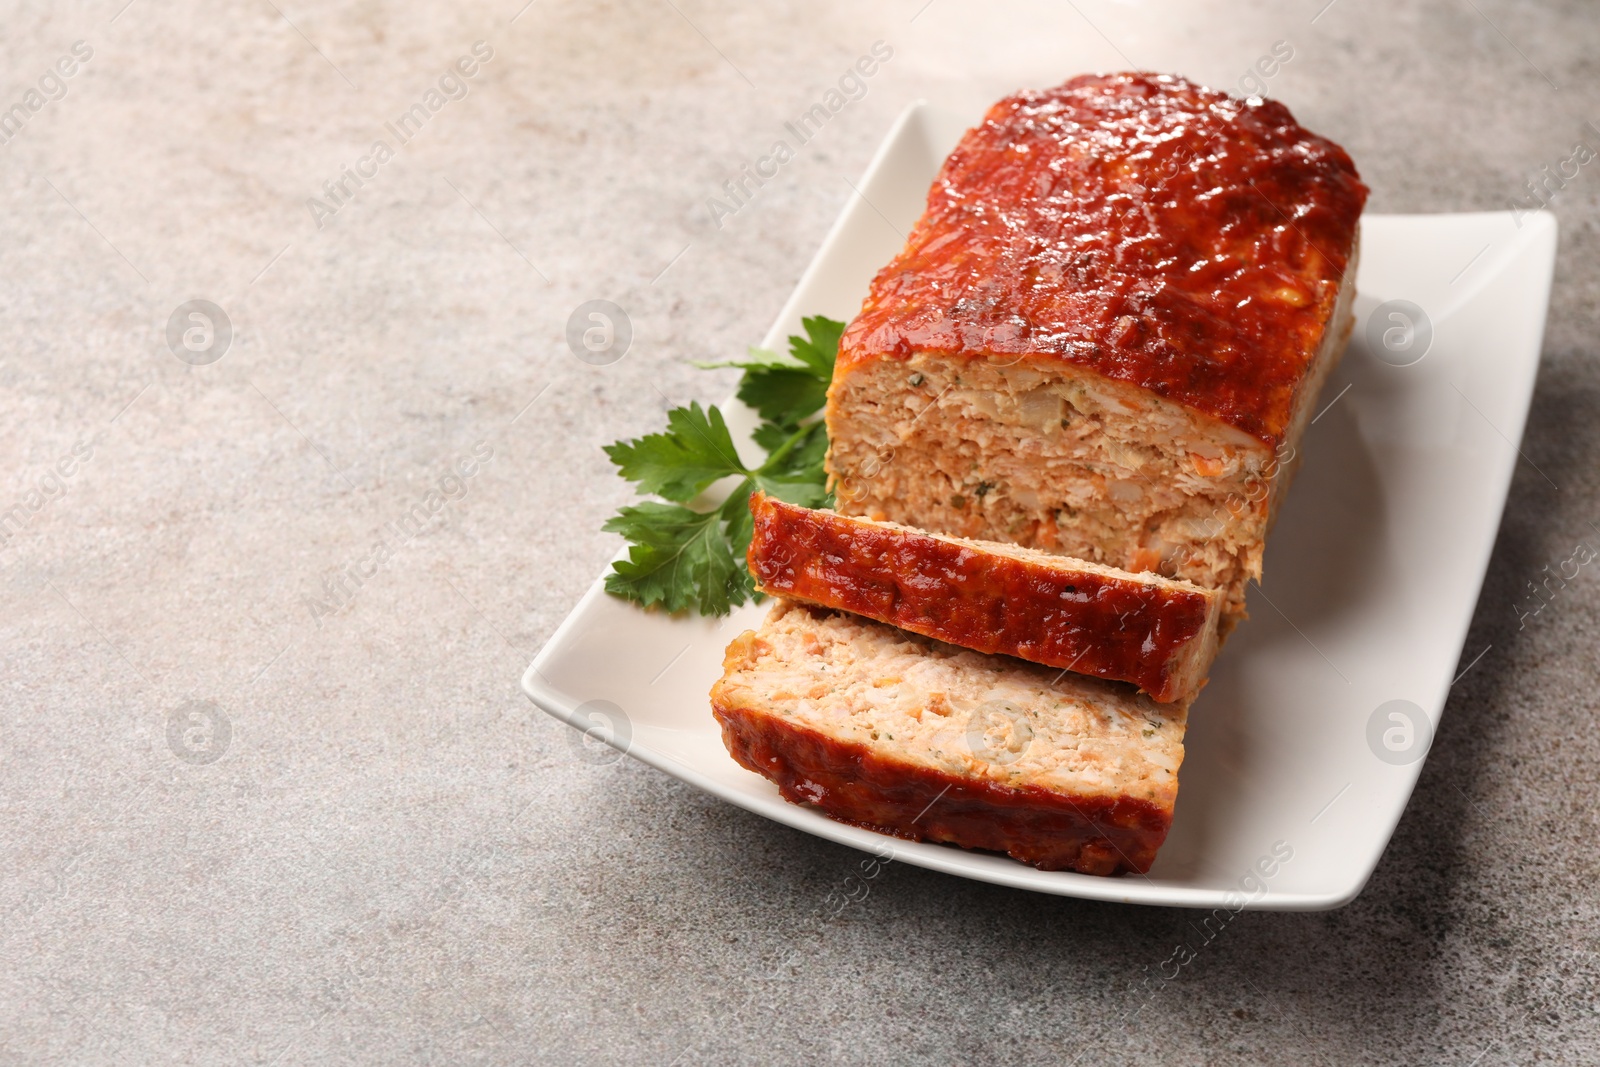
(681, 559)
(770, 436)
(794, 471)
(782, 395)
(784, 391)
(820, 346)
(739, 526)
(695, 451)
(678, 559)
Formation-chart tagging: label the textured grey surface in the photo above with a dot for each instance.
(395, 857)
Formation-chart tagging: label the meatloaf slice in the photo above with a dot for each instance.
(1108, 330)
(1158, 633)
(891, 730)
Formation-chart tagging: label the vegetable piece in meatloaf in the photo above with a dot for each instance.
(887, 729)
(1158, 633)
(1107, 332)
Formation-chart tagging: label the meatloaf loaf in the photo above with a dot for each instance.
(1158, 633)
(894, 731)
(1108, 330)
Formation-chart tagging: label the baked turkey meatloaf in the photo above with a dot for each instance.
(1158, 633)
(1108, 330)
(891, 730)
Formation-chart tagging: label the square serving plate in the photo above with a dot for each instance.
(1298, 747)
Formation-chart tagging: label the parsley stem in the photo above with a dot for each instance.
(788, 446)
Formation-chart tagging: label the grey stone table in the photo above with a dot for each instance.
(256, 810)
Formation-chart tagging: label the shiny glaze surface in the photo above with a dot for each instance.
(1051, 830)
(1137, 225)
(1096, 624)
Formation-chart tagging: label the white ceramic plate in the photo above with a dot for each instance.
(1295, 748)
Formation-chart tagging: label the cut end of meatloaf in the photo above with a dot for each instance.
(893, 731)
(1107, 332)
(1157, 633)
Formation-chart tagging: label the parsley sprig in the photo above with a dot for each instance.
(681, 558)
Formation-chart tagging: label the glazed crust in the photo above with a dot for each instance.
(1051, 830)
(1156, 633)
(1138, 226)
